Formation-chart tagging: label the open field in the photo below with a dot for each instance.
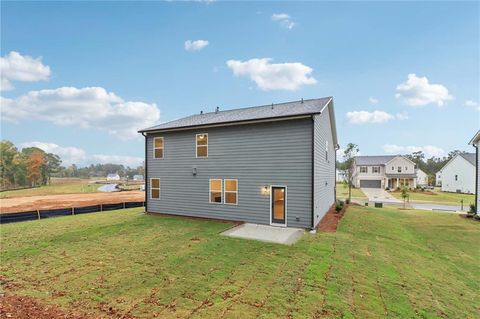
(342, 192)
(380, 263)
(438, 197)
(22, 204)
(58, 186)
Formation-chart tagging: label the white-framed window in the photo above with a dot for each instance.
(230, 191)
(399, 169)
(363, 169)
(456, 177)
(155, 188)
(201, 145)
(326, 151)
(376, 169)
(215, 191)
(158, 147)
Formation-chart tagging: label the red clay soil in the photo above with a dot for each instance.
(23, 204)
(27, 307)
(329, 222)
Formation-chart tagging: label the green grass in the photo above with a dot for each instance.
(342, 192)
(439, 197)
(380, 263)
(58, 186)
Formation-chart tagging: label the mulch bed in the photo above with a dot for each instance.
(27, 307)
(329, 222)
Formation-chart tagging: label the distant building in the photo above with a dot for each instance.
(438, 178)
(113, 177)
(138, 177)
(341, 176)
(458, 175)
(422, 178)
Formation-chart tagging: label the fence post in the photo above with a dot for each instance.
(101, 207)
(73, 210)
(38, 214)
(123, 205)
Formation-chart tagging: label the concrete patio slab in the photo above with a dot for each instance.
(279, 235)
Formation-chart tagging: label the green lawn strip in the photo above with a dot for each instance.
(342, 192)
(404, 263)
(440, 197)
(57, 186)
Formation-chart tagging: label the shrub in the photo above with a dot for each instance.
(472, 211)
(338, 207)
(347, 201)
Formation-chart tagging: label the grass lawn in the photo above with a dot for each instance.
(380, 263)
(342, 192)
(438, 197)
(58, 186)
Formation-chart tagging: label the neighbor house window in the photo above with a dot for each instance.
(363, 169)
(215, 191)
(393, 168)
(231, 191)
(155, 188)
(406, 168)
(456, 177)
(399, 169)
(202, 145)
(326, 150)
(375, 169)
(158, 147)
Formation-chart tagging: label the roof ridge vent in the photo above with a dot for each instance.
(217, 109)
(302, 100)
(272, 106)
(201, 112)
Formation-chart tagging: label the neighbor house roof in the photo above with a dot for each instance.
(470, 157)
(475, 139)
(374, 160)
(264, 112)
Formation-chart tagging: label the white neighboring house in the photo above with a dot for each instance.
(113, 177)
(422, 177)
(340, 176)
(438, 178)
(458, 175)
(385, 171)
(475, 142)
(138, 177)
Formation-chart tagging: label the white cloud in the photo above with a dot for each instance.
(417, 91)
(195, 45)
(69, 154)
(74, 155)
(428, 150)
(364, 117)
(16, 67)
(273, 76)
(401, 116)
(284, 20)
(90, 107)
(373, 100)
(473, 104)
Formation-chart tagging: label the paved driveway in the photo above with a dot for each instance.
(379, 195)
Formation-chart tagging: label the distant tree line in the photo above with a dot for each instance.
(31, 166)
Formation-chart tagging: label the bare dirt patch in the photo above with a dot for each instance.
(27, 307)
(22, 204)
(330, 221)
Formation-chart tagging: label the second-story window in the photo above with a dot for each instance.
(202, 145)
(399, 169)
(375, 169)
(158, 147)
(363, 169)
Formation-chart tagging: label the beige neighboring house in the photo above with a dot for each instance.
(384, 171)
(422, 178)
(475, 142)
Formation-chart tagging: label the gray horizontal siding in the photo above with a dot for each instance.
(258, 155)
(324, 169)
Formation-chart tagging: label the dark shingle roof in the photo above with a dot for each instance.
(374, 160)
(304, 107)
(470, 157)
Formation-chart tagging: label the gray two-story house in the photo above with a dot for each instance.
(271, 164)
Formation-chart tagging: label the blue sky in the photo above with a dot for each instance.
(83, 77)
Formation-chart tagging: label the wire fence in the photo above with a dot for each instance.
(49, 213)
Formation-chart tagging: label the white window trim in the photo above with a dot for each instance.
(225, 191)
(157, 148)
(366, 170)
(151, 188)
(210, 190)
(196, 145)
(286, 205)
